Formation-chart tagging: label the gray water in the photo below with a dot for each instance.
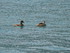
(54, 38)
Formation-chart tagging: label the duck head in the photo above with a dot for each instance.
(21, 22)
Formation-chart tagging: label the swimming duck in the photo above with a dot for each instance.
(21, 23)
(41, 24)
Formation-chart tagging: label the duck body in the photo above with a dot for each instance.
(18, 25)
(41, 24)
(21, 24)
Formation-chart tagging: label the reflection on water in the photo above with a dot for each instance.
(21, 27)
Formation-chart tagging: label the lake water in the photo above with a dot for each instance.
(54, 38)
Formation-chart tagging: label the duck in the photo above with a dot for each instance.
(21, 23)
(41, 24)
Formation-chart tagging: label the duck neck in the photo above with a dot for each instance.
(44, 22)
(21, 23)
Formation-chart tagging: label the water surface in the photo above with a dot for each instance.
(54, 38)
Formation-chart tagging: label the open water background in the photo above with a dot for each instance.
(54, 38)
